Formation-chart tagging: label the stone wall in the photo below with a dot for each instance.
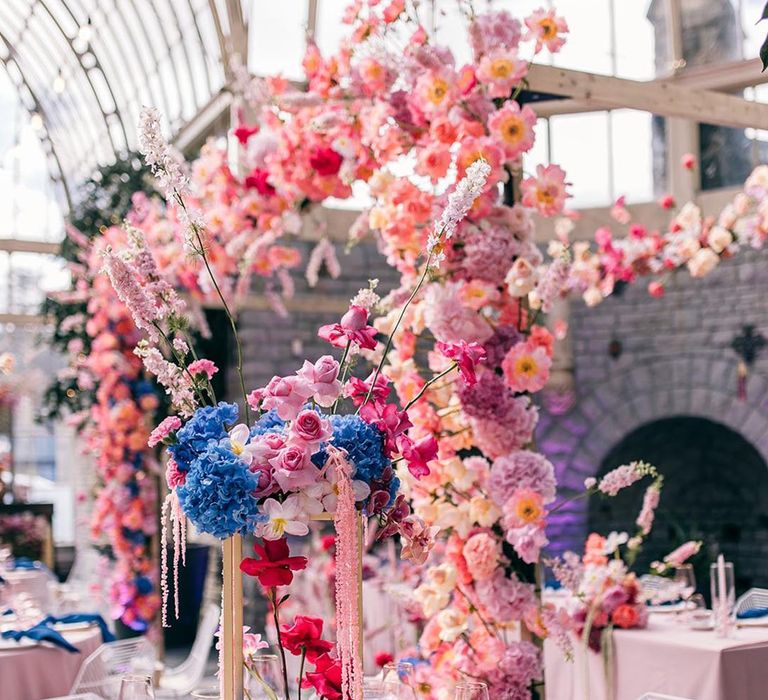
(676, 361)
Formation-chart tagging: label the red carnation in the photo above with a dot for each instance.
(304, 636)
(383, 658)
(325, 679)
(276, 566)
(243, 133)
(325, 161)
(259, 180)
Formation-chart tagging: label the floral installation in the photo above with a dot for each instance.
(692, 241)
(114, 430)
(296, 455)
(25, 533)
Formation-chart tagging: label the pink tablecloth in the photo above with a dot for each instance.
(37, 672)
(666, 658)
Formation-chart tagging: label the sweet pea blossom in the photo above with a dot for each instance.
(167, 426)
(418, 454)
(285, 518)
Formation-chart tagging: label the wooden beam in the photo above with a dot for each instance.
(728, 77)
(663, 97)
(19, 245)
(211, 117)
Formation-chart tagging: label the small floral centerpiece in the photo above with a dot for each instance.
(25, 533)
(321, 443)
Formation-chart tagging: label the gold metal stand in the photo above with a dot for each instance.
(232, 626)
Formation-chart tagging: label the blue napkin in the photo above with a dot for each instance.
(106, 635)
(26, 563)
(752, 613)
(41, 633)
(7, 611)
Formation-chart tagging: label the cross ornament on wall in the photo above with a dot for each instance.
(747, 345)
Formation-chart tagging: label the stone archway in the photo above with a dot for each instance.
(698, 384)
(716, 490)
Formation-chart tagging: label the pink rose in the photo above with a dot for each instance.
(323, 379)
(267, 447)
(310, 428)
(286, 395)
(294, 468)
(266, 481)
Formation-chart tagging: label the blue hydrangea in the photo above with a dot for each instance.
(208, 425)
(217, 494)
(363, 442)
(270, 422)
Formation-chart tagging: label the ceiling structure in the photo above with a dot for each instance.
(84, 68)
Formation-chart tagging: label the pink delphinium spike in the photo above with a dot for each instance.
(347, 611)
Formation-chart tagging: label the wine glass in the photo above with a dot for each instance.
(471, 690)
(206, 694)
(263, 673)
(397, 678)
(136, 688)
(685, 578)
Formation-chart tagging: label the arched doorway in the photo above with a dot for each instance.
(716, 489)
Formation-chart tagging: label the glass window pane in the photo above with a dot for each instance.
(632, 155)
(272, 51)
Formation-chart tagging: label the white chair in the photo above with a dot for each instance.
(180, 681)
(752, 599)
(102, 670)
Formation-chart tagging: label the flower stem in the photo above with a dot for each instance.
(301, 668)
(224, 304)
(426, 386)
(276, 618)
(388, 346)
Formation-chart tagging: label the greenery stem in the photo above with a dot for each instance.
(426, 386)
(276, 618)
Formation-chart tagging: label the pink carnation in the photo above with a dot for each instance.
(173, 475)
(167, 426)
(482, 552)
(522, 470)
(493, 30)
(205, 367)
(506, 599)
(521, 663)
(449, 320)
(528, 541)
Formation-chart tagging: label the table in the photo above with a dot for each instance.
(43, 671)
(36, 583)
(666, 658)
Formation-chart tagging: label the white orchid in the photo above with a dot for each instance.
(238, 442)
(286, 518)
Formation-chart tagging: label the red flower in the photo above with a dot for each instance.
(467, 356)
(383, 658)
(276, 566)
(418, 454)
(325, 679)
(304, 636)
(353, 328)
(625, 616)
(259, 180)
(325, 161)
(243, 133)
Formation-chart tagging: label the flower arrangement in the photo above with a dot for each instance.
(26, 533)
(296, 455)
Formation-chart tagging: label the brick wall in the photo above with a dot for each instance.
(676, 361)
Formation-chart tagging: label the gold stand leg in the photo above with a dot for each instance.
(232, 627)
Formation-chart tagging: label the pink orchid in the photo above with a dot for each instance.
(357, 389)
(467, 357)
(388, 419)
(323, 379)
(286, 395)
(353, 328)
(418, 454)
